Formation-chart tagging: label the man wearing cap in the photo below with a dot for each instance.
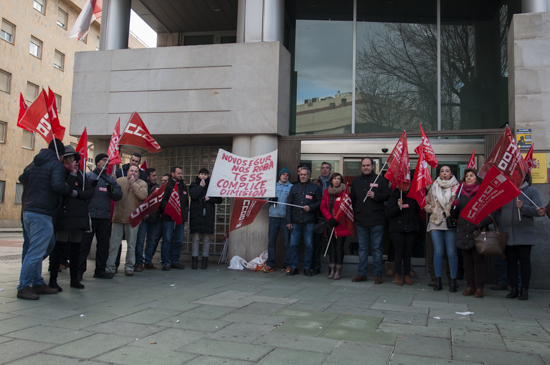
(106, 190)
(45, 185)
(277, 220)
(134, 191)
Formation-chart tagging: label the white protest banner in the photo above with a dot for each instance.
(246, 177)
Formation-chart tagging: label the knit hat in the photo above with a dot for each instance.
(100, 157)
(58, 144)
(283, 170)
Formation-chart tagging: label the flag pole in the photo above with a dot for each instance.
(328, 244)
(535, 204)
(519, 210)
(292, 205)
(382, 169)
(103, 168)
(36, 139)
(401, 207)
(460, 192)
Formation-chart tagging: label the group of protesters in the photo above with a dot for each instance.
(310, 208)
(63, 210)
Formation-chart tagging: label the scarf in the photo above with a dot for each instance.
(470, 190)
(442, 190)
(334, 191)
(325, 182)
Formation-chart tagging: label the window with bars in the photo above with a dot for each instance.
(31, 91)
(3, 127)
(28, 140)
(7, 31)
(2, 190)
(62, 18)
(35, 47)
(18, 193)
(59, 60)
(5, 78)
(58, 103)
(39, 5)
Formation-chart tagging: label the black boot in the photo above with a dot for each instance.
(194, 262)
(438, 285)
(453, 286)
(513, 293)
(204, 262)
(53, 284)
(523, 295)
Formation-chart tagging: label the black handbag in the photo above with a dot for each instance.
(491, 243)
(451, 222)
(320, 226)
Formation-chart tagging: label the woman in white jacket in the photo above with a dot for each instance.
(439, 202)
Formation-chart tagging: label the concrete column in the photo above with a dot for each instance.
(250, 241)
(533, 6)
(260, 21)
(115, 24)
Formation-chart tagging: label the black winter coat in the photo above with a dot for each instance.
(74, 214)
(464, 228)
(371, 212)
(45, 184)
(184, 200)
(402, 220)
(203, 213)
(106, 189)
(303, 194)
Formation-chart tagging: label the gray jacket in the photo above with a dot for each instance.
(520, 233)
(107, 188)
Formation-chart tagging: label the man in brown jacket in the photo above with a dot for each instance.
(134, 191)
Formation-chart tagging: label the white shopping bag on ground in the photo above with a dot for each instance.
(237, 263)
(258, 263)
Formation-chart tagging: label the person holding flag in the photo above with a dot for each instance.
(474, 263)
(439, 203)
(173, 226)
(332, 198)
(521, 236)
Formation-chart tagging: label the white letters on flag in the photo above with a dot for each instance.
(90, 12)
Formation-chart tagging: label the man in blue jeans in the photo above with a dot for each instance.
(148, 229)
(307, 196)
(277, 220)
(45, 184)
(369, 217)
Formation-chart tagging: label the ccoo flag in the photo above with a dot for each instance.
(90, 12)
(136, 134)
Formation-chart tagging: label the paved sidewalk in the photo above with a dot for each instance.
(219, 316)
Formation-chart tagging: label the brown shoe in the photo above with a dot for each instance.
(138, 268)
(469, 291)
(44, 289)
(412, 274)
(398, 280)
(331, 271)
(338, 272)
(478, 293)
(150, 266)
(389, 268)
(378, 279)
(359, 278)
(27, 294)
(129, 273)
(408, 280)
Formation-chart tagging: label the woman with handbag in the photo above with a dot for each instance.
(521, 236)
(404, 223)
(329, 206)
(438, 202)
(474, 262)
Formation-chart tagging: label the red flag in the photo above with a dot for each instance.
(395, 158)
(82, 149)
(136, 134)
(114, 155)
(472, 162)
(494, 192)
(144, 165)
(422, 178)
(529, 163)
(90, 12)
(173, 207)
(36, 118)
(344, 214)
(429, 153)
(507, 158)
(22, 109)
(58, 130)
(149, 205)
(244, 212)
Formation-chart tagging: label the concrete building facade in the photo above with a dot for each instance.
(462, 69)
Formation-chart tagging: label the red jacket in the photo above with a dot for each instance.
(340, 230)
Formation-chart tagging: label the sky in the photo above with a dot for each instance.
(141, 30)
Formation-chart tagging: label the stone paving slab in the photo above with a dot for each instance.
(16, 349)
(47, 359)
(253, 318)
(462, 324)
(20, 322)
(91, 346)
(241, 332)
(122, 328)
(537, 348)
(495, 357)
(297, 342)
(421, 346)
(416, 319)
(54, 335)
(194, 324)
(211, 360)
(232, 350)
(478, 339)
(130, 355)
(355, 352)
(170, 339)
(286, 356)
(406, 329)
(149, 316)
(207, 312)
(400, 359)
(524, 333)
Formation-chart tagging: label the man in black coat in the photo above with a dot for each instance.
(203, 214)
(135, 160)
(106, 189)
(148, 229)
(45, 187)
(369, 217)
(308, 196)
(172, 234)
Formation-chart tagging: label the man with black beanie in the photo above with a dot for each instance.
(106, 189)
